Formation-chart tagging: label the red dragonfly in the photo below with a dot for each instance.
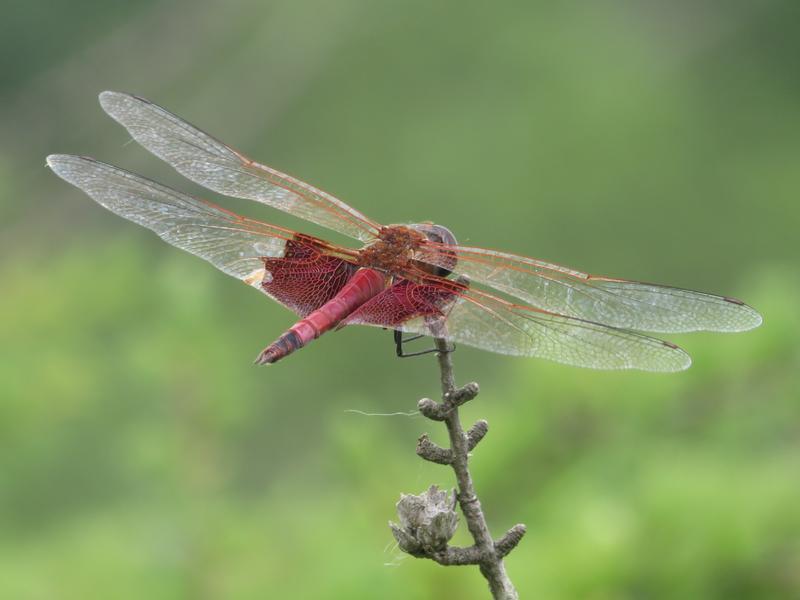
(410, 278)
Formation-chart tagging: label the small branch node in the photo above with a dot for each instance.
(510, 540)
(432, 452)
(462, 395)
(431, 409)
(476, 433)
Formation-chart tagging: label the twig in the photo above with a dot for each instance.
(486, 553)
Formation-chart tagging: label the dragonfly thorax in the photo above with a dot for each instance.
(401, 248)
(394, 248)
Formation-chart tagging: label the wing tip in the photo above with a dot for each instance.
(59, 163)
(52, 159)
(755, 319)
(112, 102)
(107, 97)
(746, 317)
(680, 358)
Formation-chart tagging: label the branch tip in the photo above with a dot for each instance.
(463, 394)
(510, 540)
(432, 409)
(432, 452)
(476, 433)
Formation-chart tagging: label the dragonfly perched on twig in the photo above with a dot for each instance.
(410, 278)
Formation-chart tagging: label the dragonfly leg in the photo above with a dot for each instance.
(399, 340)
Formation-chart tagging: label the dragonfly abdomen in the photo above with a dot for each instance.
(365, 284)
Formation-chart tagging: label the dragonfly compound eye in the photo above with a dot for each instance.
(437, 233)
(439, 258)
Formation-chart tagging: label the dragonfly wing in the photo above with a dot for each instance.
(491, 323)
(207, 161)
(404, 304)
(286, 266)
(615, 302)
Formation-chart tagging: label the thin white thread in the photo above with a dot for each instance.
(394, 414)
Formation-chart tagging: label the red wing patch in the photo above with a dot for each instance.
(401, 302)
(305, 278)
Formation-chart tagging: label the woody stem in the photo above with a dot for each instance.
(490, 554)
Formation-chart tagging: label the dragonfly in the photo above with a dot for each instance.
(414, 279)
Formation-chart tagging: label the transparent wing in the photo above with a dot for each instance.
(445, 309)
(232, 243)
(220, 168)
(490, 323)
(615, 302)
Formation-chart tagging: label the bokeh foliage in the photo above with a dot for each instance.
(143, 456)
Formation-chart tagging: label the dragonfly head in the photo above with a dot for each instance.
(436, 233)
(435, 260)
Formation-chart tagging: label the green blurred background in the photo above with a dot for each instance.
(143, 456)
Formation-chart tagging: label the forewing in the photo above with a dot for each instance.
(615, 302)
(490, 323)
(207, 161)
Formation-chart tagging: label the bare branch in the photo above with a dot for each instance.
(485, 553)
(454, 556)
